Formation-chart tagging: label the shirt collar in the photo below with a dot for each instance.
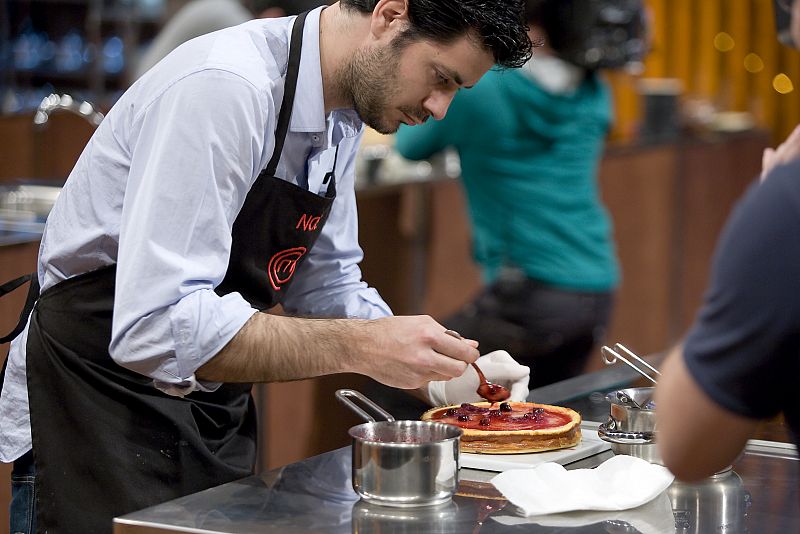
(309, 115)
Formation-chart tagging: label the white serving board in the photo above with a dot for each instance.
(590, 444)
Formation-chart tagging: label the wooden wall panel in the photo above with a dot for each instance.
(681, 51)
(639, 190)
(682, 47)
(736, 22)
(16, 147)
(789, 104)
(715, 177)
(764, 46)
(627, 105)
(452, 277)
(656, 60)
(707, 71)
(393, 243)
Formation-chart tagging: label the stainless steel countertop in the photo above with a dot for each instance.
(760, 494)
(315, 496)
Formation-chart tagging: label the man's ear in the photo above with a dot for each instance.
(388, 17)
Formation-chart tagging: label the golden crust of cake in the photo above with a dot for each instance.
(517, 441)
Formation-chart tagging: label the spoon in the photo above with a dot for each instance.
(487, 390)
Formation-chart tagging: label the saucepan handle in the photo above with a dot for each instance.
(345, 396)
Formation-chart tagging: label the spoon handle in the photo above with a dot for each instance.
(481, 376)
(480, 373)
(454, 334)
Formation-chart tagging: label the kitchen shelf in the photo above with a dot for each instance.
(46, 23)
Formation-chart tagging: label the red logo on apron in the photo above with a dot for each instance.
(308, 222)
(282, 265)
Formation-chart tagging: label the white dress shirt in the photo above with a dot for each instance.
(158, 187)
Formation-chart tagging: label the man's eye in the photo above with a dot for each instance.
(443, 80)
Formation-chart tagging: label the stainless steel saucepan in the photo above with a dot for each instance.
(401, 463)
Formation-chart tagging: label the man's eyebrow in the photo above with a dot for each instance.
(456, 77)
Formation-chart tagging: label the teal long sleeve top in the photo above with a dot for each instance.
(529, 163)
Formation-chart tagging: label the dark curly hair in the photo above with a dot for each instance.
(500, 24)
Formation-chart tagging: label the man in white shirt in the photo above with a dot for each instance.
(195, 207)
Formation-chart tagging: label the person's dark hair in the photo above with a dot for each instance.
(500, 24)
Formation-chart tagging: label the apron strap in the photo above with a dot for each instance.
(30, 300)
(290, 87)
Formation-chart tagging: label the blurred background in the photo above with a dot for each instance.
(723, 53)
(690, 123)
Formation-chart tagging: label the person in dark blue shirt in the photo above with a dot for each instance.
(740, 361)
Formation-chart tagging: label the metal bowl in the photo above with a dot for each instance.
(401, 463)
(405, 463)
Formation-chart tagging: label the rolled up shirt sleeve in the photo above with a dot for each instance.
(193, 159)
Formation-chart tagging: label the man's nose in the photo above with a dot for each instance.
(437, 103)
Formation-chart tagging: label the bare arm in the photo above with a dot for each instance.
(786, 152)
(696, 437)
(404, 352)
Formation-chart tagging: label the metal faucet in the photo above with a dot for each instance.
(54, 102)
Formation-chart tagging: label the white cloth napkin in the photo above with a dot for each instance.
(619, 483)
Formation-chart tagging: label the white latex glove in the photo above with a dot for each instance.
(498, 367)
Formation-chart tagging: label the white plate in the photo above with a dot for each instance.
(590, 444)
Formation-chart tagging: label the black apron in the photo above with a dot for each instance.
(106, 442)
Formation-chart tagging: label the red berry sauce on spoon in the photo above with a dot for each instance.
(487, 390)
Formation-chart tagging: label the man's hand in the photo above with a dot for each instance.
(786, 152)
(409, 351)
(498, 367)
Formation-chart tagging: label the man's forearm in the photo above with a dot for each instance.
(271, 348)
(405, 352)
(687, 417)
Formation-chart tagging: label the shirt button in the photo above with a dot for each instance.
(315, 138)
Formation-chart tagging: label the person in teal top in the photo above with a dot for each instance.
(530, 141)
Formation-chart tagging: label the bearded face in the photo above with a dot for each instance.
(406, 80)
(372, 79)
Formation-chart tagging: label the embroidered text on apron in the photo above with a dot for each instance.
(105, 441)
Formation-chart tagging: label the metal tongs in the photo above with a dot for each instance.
(610, 357)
